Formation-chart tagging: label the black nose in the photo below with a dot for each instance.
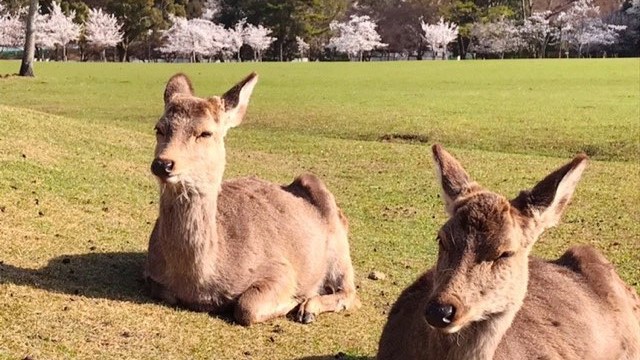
(440, 315)
(161, 168)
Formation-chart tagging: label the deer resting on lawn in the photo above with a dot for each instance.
(246, 245)
(486, 298)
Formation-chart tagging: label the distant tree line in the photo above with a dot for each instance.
(284, 30)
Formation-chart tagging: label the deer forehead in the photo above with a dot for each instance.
(190, 113)
(484, 223)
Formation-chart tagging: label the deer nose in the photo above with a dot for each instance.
(161, 167)
(440, 315)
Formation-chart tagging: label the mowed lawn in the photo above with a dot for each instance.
(77, 200)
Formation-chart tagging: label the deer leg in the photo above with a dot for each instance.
(337, 302)
(344, 298)
(160, 292)
(266, 299)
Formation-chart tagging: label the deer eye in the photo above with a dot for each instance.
(506, 255)
(205, 134)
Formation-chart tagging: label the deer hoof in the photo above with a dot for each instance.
(307, 318)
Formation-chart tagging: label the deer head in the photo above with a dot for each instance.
(190, 134)
(482, 266)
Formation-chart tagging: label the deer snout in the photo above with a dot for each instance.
(440, 315)
(161, 167)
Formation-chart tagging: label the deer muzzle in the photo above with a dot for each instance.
(162, 168)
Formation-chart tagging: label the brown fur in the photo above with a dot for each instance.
(510, 305)
(249, 245)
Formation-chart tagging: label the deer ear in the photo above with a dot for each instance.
(454, 180)
(545, 203)
(178, 84)
(236, 100)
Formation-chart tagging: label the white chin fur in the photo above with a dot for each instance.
(449, 330)
(172, 180)
(453, 329)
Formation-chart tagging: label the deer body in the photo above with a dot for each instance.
(487, 299)
(249, 245)
(538, 331)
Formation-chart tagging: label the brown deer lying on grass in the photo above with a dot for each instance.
(245, 245)
(487, 299)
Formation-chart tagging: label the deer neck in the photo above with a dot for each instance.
(477, 341)
(188, 228)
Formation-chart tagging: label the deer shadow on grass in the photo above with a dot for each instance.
(114, 276)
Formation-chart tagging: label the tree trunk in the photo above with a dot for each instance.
(103, 55)
(462, 48)
(122, 48)
(26, 68)
(64, 52)
(281, 50)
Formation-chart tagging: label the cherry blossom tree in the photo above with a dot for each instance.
(60, 28)
(581, 27)
(43, 34)
(303, 47)
(355, 36)
(537, 32)
(234, 39)
(102, 30)
(55, 29)
(175, 37)
(190, 38)
(496, 38)
(257, 37)
(219, 40)
(195, 38)
(11, 28)
(439, 35)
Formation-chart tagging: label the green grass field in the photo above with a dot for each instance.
(77, 201)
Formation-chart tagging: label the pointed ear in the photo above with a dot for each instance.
(453, 179)
(178, 84)
(236, 100)
(545, 203)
